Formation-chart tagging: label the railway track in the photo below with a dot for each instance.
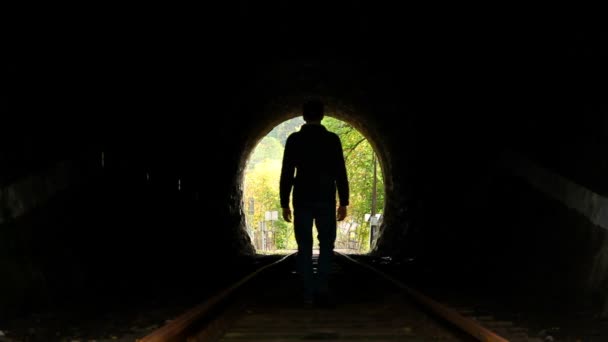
(369, 306)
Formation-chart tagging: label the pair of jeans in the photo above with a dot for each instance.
(324, 218)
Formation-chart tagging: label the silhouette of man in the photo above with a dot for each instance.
(313, 165)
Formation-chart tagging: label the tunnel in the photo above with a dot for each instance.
(125, 136)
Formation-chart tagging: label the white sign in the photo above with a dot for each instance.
(271, 215)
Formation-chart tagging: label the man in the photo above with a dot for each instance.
(313, 165)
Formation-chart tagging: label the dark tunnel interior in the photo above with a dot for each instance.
(492, 134)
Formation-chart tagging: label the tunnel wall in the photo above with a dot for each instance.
(25, 205)
(81, 230)
(532, 218)
(442, 104)
(573, 222)
(472, 213)
(114, 232)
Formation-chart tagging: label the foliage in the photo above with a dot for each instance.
(283, 130)
(359, 157)
(262, 189)
(262, 183)
(269, 148)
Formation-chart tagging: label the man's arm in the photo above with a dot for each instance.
(341, 182)
(287, 178)
(342, 212)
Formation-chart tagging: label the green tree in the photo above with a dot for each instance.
(261, 185)
(268, 148)
(284, 129)
(359, 157)
(264, 168)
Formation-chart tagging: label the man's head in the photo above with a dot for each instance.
(313, 111)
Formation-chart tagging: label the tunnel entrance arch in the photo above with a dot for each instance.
(269, 233)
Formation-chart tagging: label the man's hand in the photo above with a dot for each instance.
(342, 212)
(287, 214)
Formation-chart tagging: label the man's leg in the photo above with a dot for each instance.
(326, 226)
(303, 218)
